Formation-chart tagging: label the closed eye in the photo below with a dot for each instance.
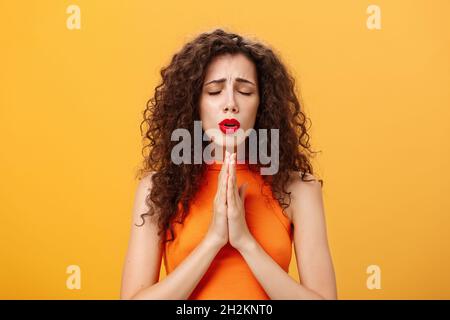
(217, 92)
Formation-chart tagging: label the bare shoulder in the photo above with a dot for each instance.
(146, 181)
(312, 251)
(144, 254)
(305, 188)
(303, 180)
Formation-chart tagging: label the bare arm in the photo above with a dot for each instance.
(180, 283)
(143, 259)
(311, 247)
(314, 261)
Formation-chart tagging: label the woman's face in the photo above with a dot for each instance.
(229, 99)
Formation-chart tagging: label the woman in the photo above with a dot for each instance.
(224, 229)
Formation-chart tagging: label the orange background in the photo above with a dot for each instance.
(71, 104)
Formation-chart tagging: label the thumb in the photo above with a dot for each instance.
(243, 191)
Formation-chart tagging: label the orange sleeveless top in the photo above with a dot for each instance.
(228, 276)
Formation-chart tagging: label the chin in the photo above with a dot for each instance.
(226, 140)
(229, 141)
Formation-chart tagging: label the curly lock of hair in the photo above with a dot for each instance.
(175, 105)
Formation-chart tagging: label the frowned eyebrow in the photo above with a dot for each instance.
(223, 80)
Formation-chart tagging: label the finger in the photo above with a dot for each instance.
(230, 194)
(243, 191)
(231, 200)
(233, 167)
(223, 168)
(224, 177)
(223, 181)
(235, 188)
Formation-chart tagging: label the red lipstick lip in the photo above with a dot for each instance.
(229, 126)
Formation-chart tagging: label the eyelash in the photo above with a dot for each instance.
(217, 92)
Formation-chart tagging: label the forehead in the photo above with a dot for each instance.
(231, 66)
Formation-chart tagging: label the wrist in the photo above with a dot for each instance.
(213, 242)
(247, 245)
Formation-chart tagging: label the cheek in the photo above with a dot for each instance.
(206, 115)
(250, 115)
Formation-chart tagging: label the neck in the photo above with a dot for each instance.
(221, 151)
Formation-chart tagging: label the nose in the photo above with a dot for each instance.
(231, 105)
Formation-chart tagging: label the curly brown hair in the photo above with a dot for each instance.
(175, 105)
